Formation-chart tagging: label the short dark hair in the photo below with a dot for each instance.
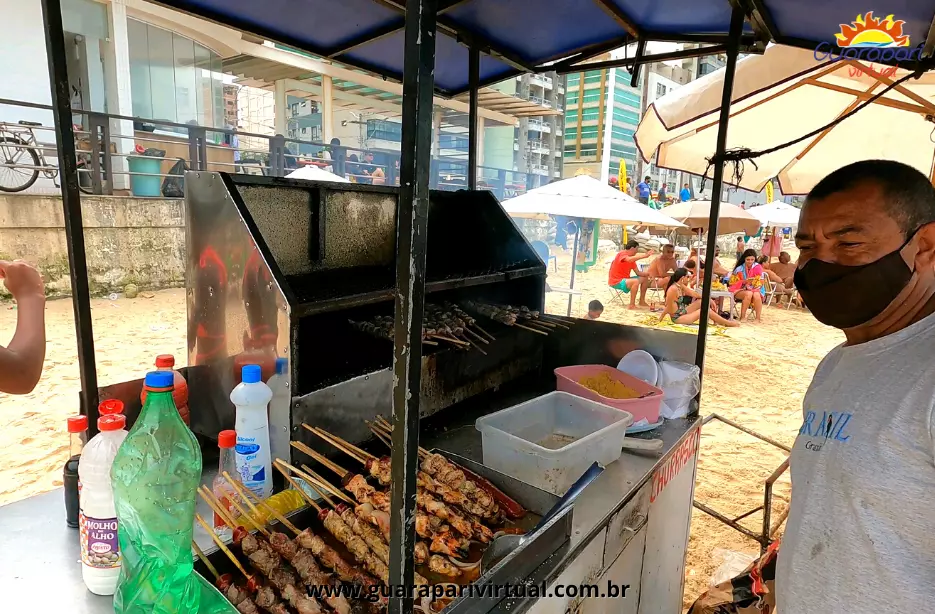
(595, 305)
(910, 197)
(647, 178)
(762, 259)
(631, 244)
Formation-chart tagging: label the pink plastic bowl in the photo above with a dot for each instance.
(646, 407)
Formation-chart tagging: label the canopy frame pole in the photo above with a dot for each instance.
(579, 222)
(71, 205)
(733, 49)
(412, 226)
(473, 82)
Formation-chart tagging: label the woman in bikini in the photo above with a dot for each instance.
(683, 304)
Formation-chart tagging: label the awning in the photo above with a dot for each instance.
(520, 36)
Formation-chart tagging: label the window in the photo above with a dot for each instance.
(451, 141)
(593, 76)
(660, 90)
(571, 132)
(572, 99)
(590, 114)
(173, 78)
(594, 96)
(620, 133)
(384, 130)
(572, 116)
(572, 79)
(588, 132)
(623, 152)
(627, 98)
(626, 116)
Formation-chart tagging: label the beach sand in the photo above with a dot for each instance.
(755, 375)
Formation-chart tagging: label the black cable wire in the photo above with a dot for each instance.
(738, 155)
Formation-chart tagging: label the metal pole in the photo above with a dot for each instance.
(574, 264)
(733, 49)
(473, 79)
(71, 203)
(412, 223)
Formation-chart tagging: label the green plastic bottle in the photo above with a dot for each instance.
(156, 475)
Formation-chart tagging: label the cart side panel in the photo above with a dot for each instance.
(667, 530)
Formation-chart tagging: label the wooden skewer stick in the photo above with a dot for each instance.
(476, 336)
(555, 321)
(350, 449)
(250, 519)
(304, 449)
(235, 484)
(478, 327)
(220, 544)
(216, 506)
(535, 330)
(388, 429)
(448, 339)
(296, 486)
(539, 322)
(334, 490)
(272, 510)
(382, 436)
(537, 326)
(312, 482)
(476, 347)
(427, 342)
(201, 556)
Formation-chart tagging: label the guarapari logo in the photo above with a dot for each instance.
(870, 39)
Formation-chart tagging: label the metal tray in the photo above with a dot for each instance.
(511, 571)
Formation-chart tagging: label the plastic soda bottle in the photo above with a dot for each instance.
(78, 436)
(251, 398)
(223, 491)
(100, 553)
(166, 362)
(155, 476)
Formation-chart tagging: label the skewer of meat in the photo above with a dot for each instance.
(500, 315)
(380, 468)
(381, 332)
(300, 558)
(456, 322)
(468, 318)
(237, 595)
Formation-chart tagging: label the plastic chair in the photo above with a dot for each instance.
(543, 251)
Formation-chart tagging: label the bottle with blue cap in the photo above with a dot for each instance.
(251, 400)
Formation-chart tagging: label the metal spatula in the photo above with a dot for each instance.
(503, 545)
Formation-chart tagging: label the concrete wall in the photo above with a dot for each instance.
(128, 240)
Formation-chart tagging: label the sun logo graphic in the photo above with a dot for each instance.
(868, 31)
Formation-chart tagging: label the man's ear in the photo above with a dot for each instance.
(925, 243)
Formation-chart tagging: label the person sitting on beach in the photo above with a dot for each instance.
(785, 269)
(720, 271)
(659, 271)
(595, 309)
(624, 274)
(683, 304)
(21, 361)
(746, 282)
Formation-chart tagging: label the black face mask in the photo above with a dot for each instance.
(848, 296)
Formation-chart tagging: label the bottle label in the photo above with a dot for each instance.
(99, 547)
(250, 462)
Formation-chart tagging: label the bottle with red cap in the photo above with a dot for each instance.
(223, 491)
(78, 435)
(100, 551)
(166, 362)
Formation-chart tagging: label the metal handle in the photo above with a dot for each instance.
(589, 476)
(642, 444)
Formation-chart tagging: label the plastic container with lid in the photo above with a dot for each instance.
(100, 551)
(551, 440)
(251, 399)
(78, 438)
(166, 362)
(644, 407)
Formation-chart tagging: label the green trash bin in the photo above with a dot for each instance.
(145, 185)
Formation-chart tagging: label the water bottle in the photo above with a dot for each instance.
(251, 399)
(100, 551)
(155, 476)
(279, 410)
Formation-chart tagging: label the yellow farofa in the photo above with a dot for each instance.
(607, 386)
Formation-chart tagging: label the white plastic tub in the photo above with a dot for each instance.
(551, 440)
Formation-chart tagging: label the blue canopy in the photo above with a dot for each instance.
(524, 35)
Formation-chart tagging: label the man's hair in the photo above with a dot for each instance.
(595, 305)
(668, 246)
(631, 244)
(909, 197)
(647, 178)
(786, 254)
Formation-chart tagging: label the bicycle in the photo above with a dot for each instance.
(22, 158)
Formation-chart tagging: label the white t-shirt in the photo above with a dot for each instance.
(860, 537)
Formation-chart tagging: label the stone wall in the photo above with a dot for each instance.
(128, 240)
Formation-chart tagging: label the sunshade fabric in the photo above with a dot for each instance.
(695, 213)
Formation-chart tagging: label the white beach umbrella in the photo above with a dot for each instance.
(777, 214)
(695, 213)
(588, 198)
(314, 173)
(786, 93)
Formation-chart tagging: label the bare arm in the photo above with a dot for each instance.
(21, 361)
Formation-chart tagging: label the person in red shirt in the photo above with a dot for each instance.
(624, 274)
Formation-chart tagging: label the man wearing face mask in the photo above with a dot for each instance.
(860, 536)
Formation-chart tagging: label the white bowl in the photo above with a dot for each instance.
(640, 364)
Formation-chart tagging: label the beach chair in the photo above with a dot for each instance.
(770, 291)
(543, 251)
